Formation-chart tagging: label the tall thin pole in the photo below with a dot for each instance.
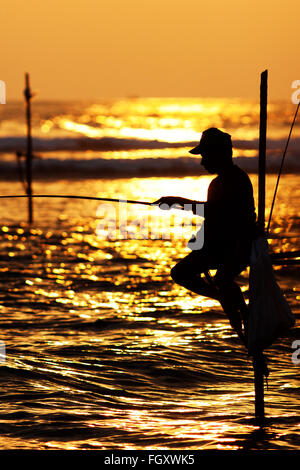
(258, 366)
(28, 96)
(262, 149)
(258, 358)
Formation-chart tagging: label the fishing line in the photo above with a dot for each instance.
(281, 166)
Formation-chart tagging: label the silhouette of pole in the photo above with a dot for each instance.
(262, 149)
(258, 358)
(28, 96)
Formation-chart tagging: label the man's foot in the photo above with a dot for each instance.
(239, 304)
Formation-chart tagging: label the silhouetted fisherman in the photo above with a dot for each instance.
(229, 228)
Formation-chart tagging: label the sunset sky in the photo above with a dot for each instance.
(95, 49)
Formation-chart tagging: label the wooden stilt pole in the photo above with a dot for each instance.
(262, 149)
(28, 96)
(258, 358)
(258, 366)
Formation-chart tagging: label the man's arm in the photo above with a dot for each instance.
(183, 203)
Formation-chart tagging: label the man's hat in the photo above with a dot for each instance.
(212, 138)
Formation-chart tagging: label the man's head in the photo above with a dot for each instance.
(215, 147)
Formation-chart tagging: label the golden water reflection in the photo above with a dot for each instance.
(106, 340)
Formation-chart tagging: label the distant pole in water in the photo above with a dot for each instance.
(258, 358)
(28, 96)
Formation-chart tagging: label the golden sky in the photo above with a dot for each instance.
(113, 48)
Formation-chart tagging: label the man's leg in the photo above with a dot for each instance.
(232, 301)
(187, 273)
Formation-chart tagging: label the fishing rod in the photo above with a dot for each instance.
(281, 166)
(92, 198)
(81, 197)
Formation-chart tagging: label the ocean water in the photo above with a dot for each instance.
(140, 137)
(103, 350)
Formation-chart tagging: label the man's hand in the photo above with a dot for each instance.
(176, 202)
(168, 202)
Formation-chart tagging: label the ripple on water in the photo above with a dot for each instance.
(105, 352)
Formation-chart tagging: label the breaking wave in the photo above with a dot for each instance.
(76, 163)
(104, 167)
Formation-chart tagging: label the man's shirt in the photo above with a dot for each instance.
(229, 211)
